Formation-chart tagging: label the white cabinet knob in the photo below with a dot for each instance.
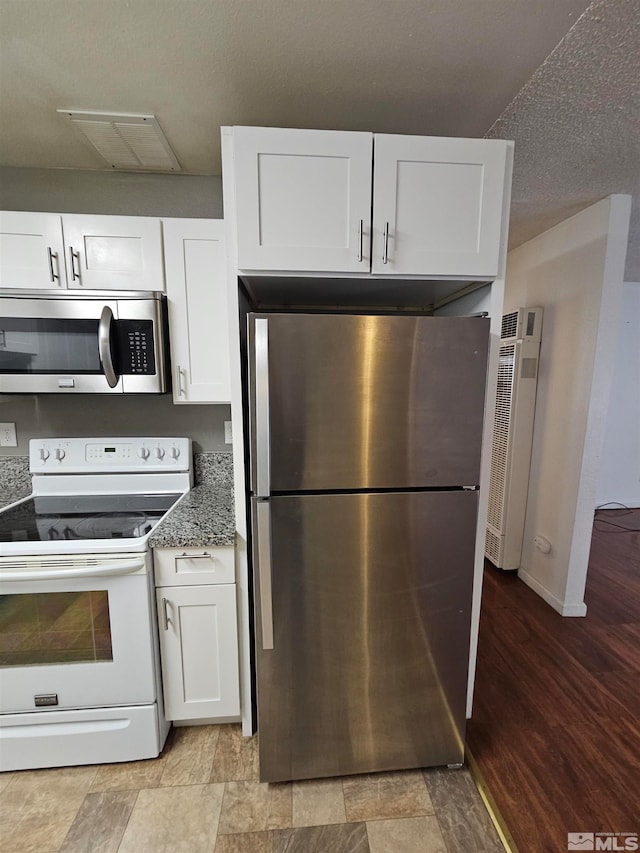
(159, 452)
(59, 454)
(175, 452)
(44, 454)
(143, 453)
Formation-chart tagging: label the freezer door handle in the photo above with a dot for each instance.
(263, 542)
(262, 407)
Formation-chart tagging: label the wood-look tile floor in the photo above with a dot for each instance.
(202, 795)
(555, 730)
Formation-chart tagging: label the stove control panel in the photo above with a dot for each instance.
(97, 455)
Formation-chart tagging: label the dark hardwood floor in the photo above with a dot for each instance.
(555, 731)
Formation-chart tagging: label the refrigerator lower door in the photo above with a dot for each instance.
(370, 605)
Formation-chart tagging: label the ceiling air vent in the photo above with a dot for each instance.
(126, 141)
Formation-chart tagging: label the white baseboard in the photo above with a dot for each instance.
(205, 721)
(564, 609)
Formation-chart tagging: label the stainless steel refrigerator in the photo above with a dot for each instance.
(365, 436)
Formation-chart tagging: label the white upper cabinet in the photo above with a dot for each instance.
(303, 199)
(49, 250)
(303, 203)
(437, 205)
(31, 251)
(195, 267)
(113, 252)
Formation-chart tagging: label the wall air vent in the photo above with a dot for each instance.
(125, 141)
(522, 325)
(509, 325)
(512, 436)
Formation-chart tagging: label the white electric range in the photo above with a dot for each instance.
(79, 666)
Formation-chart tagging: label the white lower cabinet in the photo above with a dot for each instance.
(199, 650)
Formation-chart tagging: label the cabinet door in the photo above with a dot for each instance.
(113, 252)
(303, 199)
(199, 651)
(437, 205)
(31, 250)
(197, 295)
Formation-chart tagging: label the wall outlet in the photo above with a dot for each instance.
(8, 435)
(228, 439)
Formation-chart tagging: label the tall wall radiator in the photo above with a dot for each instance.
(512, 436)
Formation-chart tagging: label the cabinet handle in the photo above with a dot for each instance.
(203, 556)
(52, 272)
(360, 240)
(165, 613)
(179, 373)
(72, 257)
(385, 253)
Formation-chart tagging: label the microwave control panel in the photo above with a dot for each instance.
(135, 347)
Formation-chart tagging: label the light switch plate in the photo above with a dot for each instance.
(228, 439)
(8, 436)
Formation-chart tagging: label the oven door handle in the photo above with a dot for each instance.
(104, 346)
(123, 567)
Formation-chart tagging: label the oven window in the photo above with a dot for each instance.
(55, 627)
(49, 345)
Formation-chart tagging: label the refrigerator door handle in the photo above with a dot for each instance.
(263, 536)
(262, 438)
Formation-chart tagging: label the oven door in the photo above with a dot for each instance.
(75, 632)
(82, 345)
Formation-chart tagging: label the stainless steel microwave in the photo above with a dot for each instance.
(97, 342)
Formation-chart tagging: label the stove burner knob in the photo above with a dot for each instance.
(59, 454)
(143, 453)
(175, 452)
(160, 452)
(44, 454)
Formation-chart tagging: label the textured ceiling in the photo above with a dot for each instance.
(576, 125)
(403, 66)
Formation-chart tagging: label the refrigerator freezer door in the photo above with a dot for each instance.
(371, 598)
(367, 402)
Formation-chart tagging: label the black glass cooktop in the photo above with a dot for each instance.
(50, 518)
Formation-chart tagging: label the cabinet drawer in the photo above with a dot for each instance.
(190, 566)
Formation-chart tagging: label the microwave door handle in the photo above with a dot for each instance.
(104, 346)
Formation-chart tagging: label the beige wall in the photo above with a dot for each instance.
(574, 271)
(620, 473)
(117, 193)
(44, 415)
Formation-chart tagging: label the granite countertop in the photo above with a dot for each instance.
(15, 480)
(205, 516)
(11, 495)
